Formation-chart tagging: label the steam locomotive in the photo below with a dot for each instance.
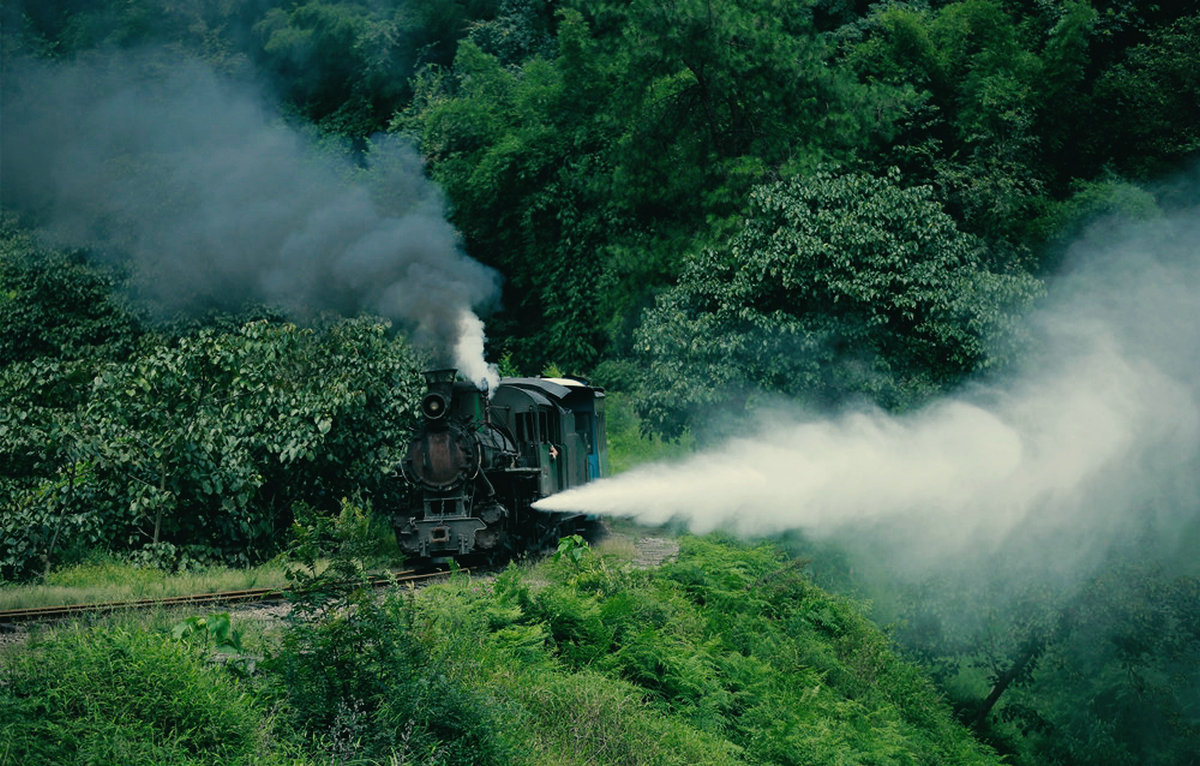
(478, 462)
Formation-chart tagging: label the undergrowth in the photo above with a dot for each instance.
(727, 655)
(128, 695)
(108, 578)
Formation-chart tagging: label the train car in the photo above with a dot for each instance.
(480, 459)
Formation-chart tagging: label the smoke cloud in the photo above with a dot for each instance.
(216, 202)
(1095, 440)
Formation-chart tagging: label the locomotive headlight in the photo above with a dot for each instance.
(434, 406)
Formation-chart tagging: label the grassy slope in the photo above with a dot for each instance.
(105, 578)
(726, 655)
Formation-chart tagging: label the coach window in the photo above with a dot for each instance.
(583, 427)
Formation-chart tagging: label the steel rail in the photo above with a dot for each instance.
(248, 595)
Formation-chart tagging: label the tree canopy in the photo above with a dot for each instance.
(838, 286)
(694, 203)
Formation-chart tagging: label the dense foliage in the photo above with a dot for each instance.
(838, 286)
(187, 448)
(1107, 673)
(595, 152)
(591, 150)
(694, 202)
(728, 655)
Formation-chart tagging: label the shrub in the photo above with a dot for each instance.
(359, 686)
(127, 695)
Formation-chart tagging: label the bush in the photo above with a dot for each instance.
(359, 686)
(729, 654)
(127, 695)
(234, 426)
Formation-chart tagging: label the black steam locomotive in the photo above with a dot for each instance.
(477, 463)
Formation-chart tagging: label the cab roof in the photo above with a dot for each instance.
(556, 388)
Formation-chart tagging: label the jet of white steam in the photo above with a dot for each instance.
(1097, 435)
(468, 353)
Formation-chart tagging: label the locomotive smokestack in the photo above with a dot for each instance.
(440, 393)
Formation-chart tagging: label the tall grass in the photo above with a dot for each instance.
(104, 578)
(726, 655)
(125, 694)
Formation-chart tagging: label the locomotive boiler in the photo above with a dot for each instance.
(480, 459)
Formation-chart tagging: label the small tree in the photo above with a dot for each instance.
(210, 440)
(838, 286)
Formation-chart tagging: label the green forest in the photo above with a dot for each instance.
(233, 232)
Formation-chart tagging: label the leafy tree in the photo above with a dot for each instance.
(1150, 100)
(1017, 105)
(521, 30)
(347, 65)
(199, 448)
(53, 304)
(584, 176)
(1060, 91)
(1109, 202)
(1101, 673)
(1118, 684)
(838, 286)
(47, 510)
(717, 84)
(526, 190)
(971, 134)
(217, 32)
(58, 322)
(218, 435)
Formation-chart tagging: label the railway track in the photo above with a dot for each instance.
(245, 596)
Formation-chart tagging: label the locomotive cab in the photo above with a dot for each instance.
(558, 426)
(476, 465)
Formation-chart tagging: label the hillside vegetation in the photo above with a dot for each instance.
(693, 203)
(232, 232)
(726, 655)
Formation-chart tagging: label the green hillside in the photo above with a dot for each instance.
(727, 654)
(232, 233)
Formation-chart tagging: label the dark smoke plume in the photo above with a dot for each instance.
(217, 202)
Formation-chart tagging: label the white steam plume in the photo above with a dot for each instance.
(215, 202)
(1096, 439)
(468, 353)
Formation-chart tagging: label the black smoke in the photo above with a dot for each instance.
(216, 201)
